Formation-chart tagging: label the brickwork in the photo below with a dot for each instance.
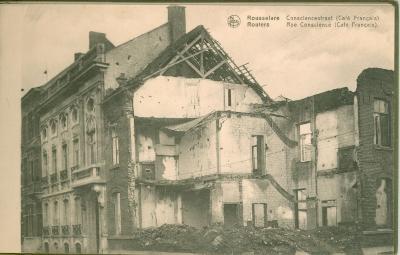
(375, 162)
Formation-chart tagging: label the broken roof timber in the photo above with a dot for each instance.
(190, 49)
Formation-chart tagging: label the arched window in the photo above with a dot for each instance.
(55, 214)
(91, 140)
(78, 213)
(78, 248)
(53, 127)
(66, 248)
(74, 114)
(45, 164)
(64, 121)
(66, 212)
(46, 247)
(44, 133)
(117, 212)
(46, 215)
(90, 105)
(55, 246)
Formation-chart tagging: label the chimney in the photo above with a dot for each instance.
(78, 55)
(176, 21)
(95, 38)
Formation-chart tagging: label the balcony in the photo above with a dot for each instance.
(46, 231)
(76, 230)
(55, 230)
(64, 175)
(86, 176)
(65, 230)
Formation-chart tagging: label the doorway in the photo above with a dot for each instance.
(232, 214)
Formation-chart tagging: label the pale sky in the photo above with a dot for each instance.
(293, 62)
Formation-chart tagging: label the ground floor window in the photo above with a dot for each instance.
(78, 248)
(329, 213)
(301, 209)
(259, 212)
(66, 248)
(383, 194)
(46, 248)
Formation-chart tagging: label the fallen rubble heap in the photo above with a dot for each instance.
(219, 239)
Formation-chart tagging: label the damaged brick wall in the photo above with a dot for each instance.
(375, 162)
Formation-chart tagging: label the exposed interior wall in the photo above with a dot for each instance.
(159, 206)
(235, 141)
(335, 130)
(246, 193)
(196, 208)
(197, 152)
(133, 56)
(146, 140)
(342, 189)
(177, 97)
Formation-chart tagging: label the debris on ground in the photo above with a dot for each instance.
(220, 239)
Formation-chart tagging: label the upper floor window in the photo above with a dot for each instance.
(115, 146)
(64, 121)
(305, 142)
(46, 214)
(53, 127)
(258, 154)
(76, 152)
(64, 156)
(74, 115)
(54, 158)
(44, 133)
(90, 105)
(45, 163)
(381, 123)
(228, 97)
(56, 216)
(117, 212)
(66, 212)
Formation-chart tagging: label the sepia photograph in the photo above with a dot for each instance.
(265, 128)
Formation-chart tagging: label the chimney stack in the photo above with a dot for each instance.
(176, 21)
(95, 38)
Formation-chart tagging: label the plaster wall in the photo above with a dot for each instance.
(133, 56)
(335, 130)
(177, 97)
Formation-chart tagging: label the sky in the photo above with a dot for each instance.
(294, 63)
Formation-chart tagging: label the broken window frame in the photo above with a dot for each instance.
(300, 205)
(115, 146)
(305, 142)
(117, 213)
(258, 154)
(325, 205)
(381, 112)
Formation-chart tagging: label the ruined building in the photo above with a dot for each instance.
(167, 129)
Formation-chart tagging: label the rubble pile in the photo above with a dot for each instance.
(219, 239)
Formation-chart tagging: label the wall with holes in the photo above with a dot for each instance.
(335, 130)
(197, 152)
(176, 97)
(159, 205)
(133, 56)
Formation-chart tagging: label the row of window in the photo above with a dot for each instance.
(54, 216)
(63, 119)
(78, 248)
